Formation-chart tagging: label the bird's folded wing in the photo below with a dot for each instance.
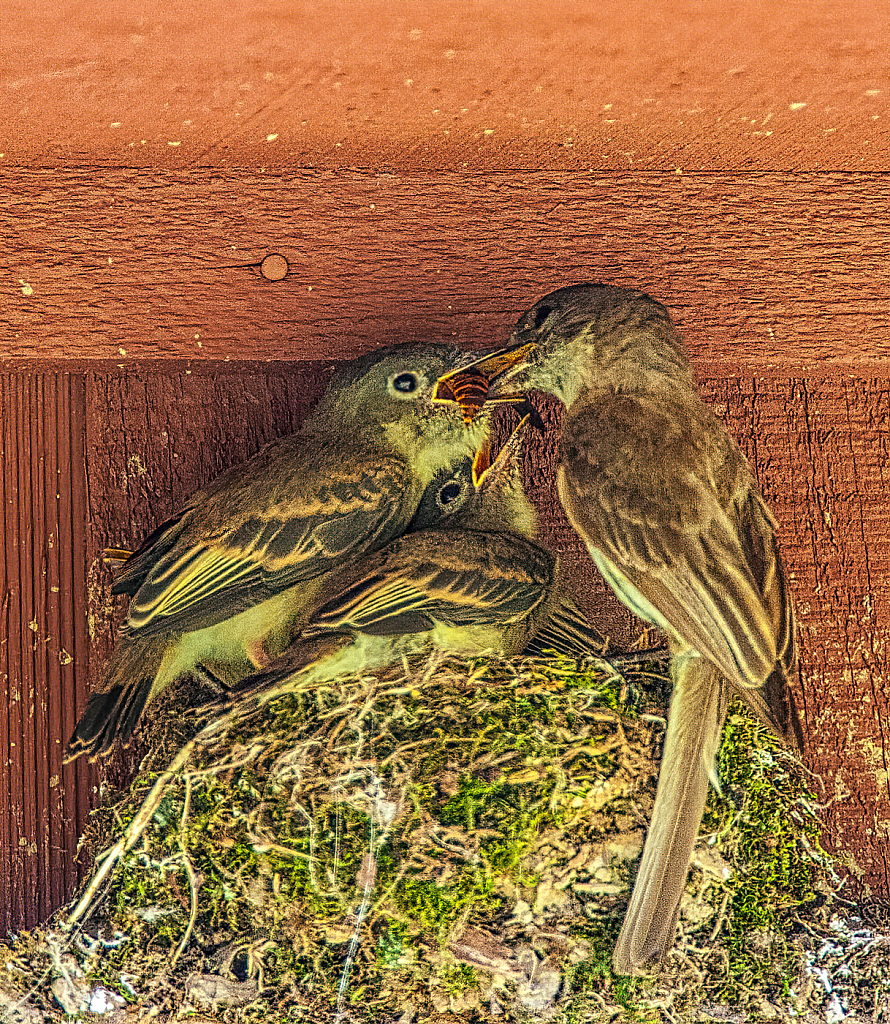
(682, 567)
(454, 577)
(243, 545)
(139, 563)
(758, 539)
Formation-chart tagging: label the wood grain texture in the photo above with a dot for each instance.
(819, 447)
(428, 170)
(44, 647)
(759, 270)
(425, 86)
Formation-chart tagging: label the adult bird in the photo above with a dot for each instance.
(471, 580)
(672, 516)
(224, 582)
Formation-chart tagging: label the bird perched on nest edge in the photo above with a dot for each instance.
(673, 518)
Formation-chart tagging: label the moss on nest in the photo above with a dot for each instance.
(451, 842)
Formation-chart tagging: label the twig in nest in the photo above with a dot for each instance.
(133, 831)
(263, 844)
(367, 878)
(150, 804)
(721, 918)
(194, 884)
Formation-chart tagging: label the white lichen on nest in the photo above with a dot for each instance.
(454, 840)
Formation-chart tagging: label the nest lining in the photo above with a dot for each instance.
(450, 841)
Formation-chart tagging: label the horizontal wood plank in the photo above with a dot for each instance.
(425, 86)
(759, 270)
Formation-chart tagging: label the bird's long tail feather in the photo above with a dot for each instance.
(698, 708)
(114, 711)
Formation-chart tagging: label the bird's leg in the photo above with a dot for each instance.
(210, 679)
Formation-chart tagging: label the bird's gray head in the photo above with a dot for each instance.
(596, 336)
(388, 395)
(590, 338)
(484, 493)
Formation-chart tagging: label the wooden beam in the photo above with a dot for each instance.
(425, 86)
(44, 646)
(759, 270)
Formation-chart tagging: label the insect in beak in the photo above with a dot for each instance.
(470, 386)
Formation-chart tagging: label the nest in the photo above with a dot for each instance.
(448, 842)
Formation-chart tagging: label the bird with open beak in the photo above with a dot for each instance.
(673, 518)
(224, 582)
(469, 579)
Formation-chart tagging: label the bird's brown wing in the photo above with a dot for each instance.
(285, 516)
(671, 516)
(112, 712)
(456, 577)
(773, 702)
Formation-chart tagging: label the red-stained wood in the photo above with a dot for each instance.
(425, 86)
(427, 171)
(758, 270)
(819, 448)
(43, 644)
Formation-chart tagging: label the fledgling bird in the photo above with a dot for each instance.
(673, 518)
(225, 581)
(475, 581)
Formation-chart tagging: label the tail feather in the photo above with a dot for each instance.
(108, 716)
(698, 708)
(114, 711)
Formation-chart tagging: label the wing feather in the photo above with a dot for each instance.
(566, 630)
(658, 510)
(436, 576)
(291, 519)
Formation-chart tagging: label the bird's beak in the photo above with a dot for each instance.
(469, 386)
(487, 473)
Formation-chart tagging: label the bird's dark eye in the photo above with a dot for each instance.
(541, 314)
(405, 382)
(449, 493)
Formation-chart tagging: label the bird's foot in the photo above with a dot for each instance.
(207, 677)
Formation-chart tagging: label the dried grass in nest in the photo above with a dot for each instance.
(451, 842)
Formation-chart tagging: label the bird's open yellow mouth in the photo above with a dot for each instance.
(487, 468)
(470, 385)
